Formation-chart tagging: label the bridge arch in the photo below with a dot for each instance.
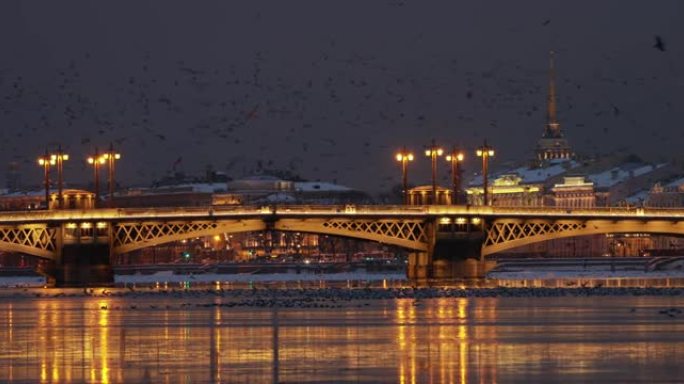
(128, 237)
(410, 234)
(35, 240)
(505, 234)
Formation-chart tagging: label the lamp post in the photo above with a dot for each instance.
(96, 161)
(455, 158)
(46, 161)
(404, 156)
(485, 152)
(433, 151)
(110, 157)
(60, 157)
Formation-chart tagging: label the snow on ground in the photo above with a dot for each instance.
(22, 281)
(536, 274)
(167, 276)
(170, 277)
(570, 274)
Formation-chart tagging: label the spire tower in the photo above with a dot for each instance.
(552, 126)
(552, 144)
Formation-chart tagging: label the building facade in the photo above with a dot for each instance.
(573, 192)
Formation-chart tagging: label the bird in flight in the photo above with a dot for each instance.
(659, 44)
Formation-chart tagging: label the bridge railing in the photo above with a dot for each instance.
(170, 213)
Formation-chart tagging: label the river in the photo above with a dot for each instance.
(181, 339)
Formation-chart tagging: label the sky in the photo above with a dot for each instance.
(331, 90)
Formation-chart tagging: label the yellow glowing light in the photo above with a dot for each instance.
(444, 220)
(461, 220)
(410, 156)
(217, 238)
(455, 157)
(399, 157)
(476, 220)
(479, 153)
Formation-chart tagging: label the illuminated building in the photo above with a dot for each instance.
(508, 190)
(668, 195)
(573, 192)
(422, 195)
(29, 200)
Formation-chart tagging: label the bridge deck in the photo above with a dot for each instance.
(303, 211)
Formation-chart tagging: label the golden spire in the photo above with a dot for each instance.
(552, 126)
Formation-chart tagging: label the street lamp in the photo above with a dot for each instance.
(455, 158)
(60, 157)
(404, 156)
(46, 161)
(433, 151)
(96, 161)
(110, 157)
(485, 152)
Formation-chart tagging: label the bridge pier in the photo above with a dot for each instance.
(83, 265)
(456, 253)
(419, 266)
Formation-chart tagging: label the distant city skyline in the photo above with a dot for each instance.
(238, 85)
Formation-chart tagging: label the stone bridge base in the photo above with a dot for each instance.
(455, 255)
(84, 265)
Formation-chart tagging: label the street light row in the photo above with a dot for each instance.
(455, 158)
(96, 160)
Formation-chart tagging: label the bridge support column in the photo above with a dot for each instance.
(458, 255)
(83, 265)
(462, 268)
(419, 266)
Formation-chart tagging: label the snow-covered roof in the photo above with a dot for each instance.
(41, 192)
(207, 187)
(280, 198)
(261, 178)
(539, 175)
(319, 186)
(189, 187)
(534, 175)
(26, 193)
(621, 173)
(675, 183)
(637, 198)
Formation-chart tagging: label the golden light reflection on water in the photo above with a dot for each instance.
(103, 323)
(442, 340)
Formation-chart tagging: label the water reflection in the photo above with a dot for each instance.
(465, 340)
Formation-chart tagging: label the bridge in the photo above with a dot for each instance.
(443, 241)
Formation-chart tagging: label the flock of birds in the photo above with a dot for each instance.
(151, 298)
(331, 118)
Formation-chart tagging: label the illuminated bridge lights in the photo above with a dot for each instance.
(38, 232)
